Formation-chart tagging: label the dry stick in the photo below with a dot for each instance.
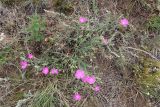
(132, 53)
(113, 52)
(84, 101)
(141, 51)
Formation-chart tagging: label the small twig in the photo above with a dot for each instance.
(84, 101)
(113, 52)
(131, 53)
(136, 49)
(55, 13)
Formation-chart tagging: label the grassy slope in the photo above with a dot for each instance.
(118, 86)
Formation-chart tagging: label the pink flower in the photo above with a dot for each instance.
(91, 80)
(124, 22)
(104, 40)
(79, 74)
(77, 97)
(45, 70)
(96, 88)
(24, 64)
(29, 56)
(85, 79)
(83, 20)
(54, 71)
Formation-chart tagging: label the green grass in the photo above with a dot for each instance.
(154, 23)
(35, 27)
(48, 98)
(147, 76)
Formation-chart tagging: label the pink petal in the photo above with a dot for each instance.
(124, 22)
(54, 71)
(85, 79)
(79, 74)
(91, 80)
(77, 97)
(29, 56)
(83, 19)
(24, 64)
(97, 88)
(45, 70)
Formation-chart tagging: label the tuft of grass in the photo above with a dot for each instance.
(49, 97)
(35, 28)
(5, 54)
(154, 23)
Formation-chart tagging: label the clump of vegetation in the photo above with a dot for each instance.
(5, 55)
(50, 97)
(36, 27)
(67, 55)
(147, 74)
(154, 23)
